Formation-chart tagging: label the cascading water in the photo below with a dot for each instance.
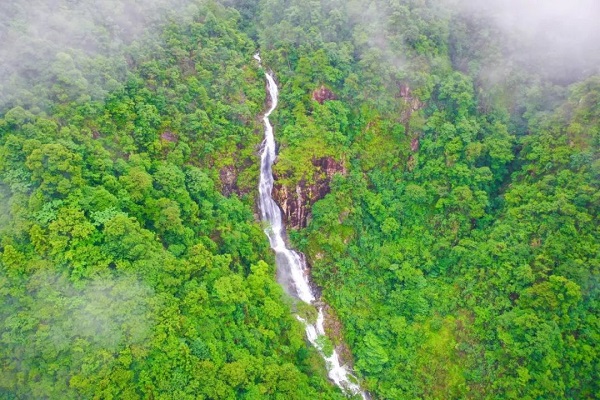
(291, 268)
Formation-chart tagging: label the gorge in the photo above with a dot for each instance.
(292, 272)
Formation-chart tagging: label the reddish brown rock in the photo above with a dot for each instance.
(411, 104)
(404, 91)
(168, 136)
(296, 202)
(323, 94)
(414, 144)
(228, 177)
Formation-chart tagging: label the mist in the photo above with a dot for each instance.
(81, 44)
(77, 43)
(556, 38)
(108, 314)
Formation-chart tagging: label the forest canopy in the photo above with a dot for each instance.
(448, 161)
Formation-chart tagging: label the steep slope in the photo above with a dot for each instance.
(458, 243)
(124, 270)
(442, 184)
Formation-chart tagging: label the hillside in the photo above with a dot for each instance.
(441, 178)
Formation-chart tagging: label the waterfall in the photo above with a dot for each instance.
(292, 272)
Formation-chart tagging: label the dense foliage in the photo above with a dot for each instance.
(460, 248)
(125, 272)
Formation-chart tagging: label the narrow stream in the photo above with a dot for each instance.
(292, 272)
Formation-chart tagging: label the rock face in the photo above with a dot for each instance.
(411, 104)
(296, 202)
(168, 136)
(414, 144)
(323, 94)
(228, 176)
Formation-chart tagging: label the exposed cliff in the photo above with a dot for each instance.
(228, 177)
(323, 94)
(411, 105)
(296, 200)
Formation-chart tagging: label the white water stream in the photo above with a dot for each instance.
(291, 268)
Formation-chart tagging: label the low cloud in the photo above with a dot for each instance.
(81, 39)
(558, 38)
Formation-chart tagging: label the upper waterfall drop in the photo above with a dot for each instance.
(292, 272)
